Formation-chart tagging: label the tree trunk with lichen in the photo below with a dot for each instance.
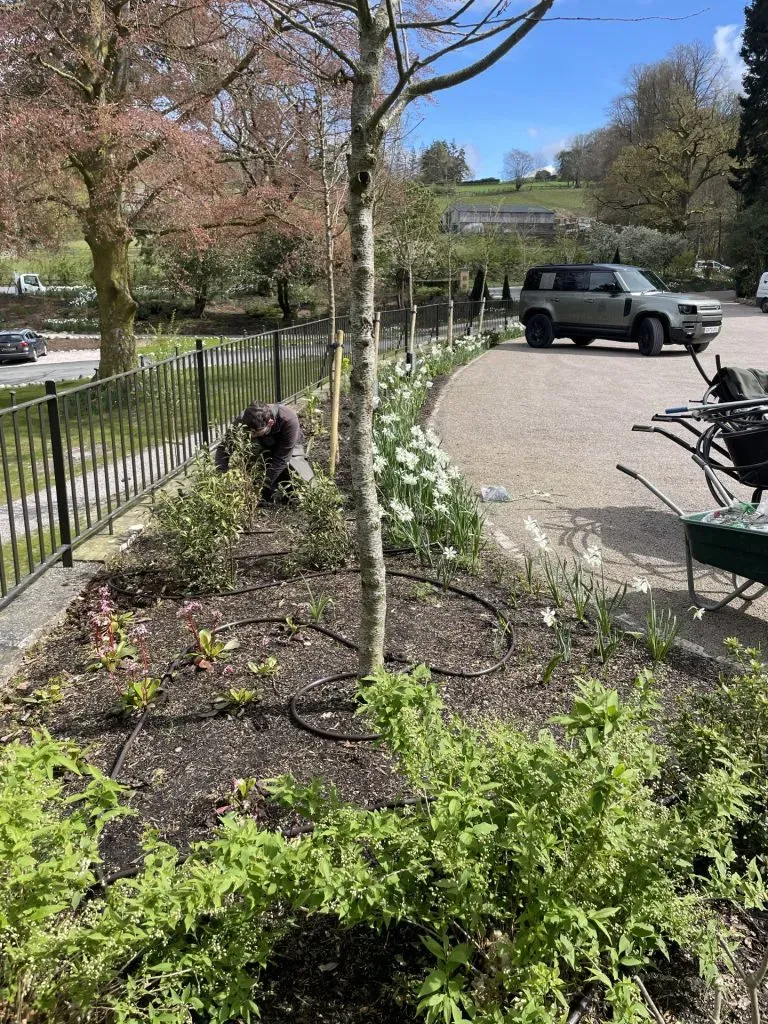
(364, 156)
(109, 237)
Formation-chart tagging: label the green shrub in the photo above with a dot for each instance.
(533, 867)
(730, 721)
(324, 541)
(201, 524)
(181, 940)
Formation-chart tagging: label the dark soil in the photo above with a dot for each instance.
(182, 767)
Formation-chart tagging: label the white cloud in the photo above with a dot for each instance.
(533, 133)
(727, 43)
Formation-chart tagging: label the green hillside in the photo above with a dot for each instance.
(555, 195)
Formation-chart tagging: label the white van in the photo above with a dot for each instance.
(762, 293)
(24, 284)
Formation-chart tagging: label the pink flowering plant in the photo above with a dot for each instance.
(208, 648)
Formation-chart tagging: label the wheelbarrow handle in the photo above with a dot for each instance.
(654, 490)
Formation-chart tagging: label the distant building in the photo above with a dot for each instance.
(466, 218)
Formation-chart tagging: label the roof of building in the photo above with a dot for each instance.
(497, 208)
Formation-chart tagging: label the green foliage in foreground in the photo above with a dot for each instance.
(531, 867)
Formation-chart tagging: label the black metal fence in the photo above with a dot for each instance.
(75, 458)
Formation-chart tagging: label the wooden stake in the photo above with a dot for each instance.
(410, 345)
(335, 400)
(450, 323)
(376, 341)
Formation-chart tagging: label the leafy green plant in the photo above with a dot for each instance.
(186, 936)
(237, 698)
(554, 576)
(579, 585)
(200, 526)
(324, 542)
(318, 606)
(661, 630)
(729, 720)
(249, 470)
(141, 693)
(533, 867)
(45, 696)
(607, 644)
(209, 646)
(110, 640)
(267, 669)
(425, 593)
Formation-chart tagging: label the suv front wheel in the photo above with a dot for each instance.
(650, 336)
(539, 332)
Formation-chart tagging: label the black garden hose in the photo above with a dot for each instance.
(302, 722)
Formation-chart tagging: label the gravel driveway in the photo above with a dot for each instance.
(558, 420)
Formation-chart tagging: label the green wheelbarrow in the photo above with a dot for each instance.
(732, 539)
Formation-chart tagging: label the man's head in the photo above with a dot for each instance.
(258, 419)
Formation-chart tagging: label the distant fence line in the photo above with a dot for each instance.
(74, 460)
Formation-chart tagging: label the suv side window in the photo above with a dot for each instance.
(602, 281)
(532, 280)
(571, 281)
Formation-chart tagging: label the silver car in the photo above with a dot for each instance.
(619, 303)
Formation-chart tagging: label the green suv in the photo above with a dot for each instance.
(584, 301)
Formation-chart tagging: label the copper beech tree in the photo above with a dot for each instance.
(387, 55)
(105, 109)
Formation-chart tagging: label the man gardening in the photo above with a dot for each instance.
(276, 437)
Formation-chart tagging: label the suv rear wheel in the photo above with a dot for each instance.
(650, 336)
(539, 332)
(582, 342)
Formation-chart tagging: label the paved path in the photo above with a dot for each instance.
(559, 420)
(48, 368)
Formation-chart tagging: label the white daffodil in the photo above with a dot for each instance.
(530, 524)
(696, 613)
(409, 479)
(379, 464)
(550, 617)
(429, 474)
(450, 554)
(593, 556)
(640, 585)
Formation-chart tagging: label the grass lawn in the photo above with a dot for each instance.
(554, 195)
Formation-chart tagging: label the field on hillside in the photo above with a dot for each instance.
(555, 195)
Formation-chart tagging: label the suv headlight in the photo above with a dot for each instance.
(687, 310)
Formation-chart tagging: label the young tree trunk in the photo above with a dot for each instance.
(363, 160)
(328, 224)
(108, 238)
(201, 299)
(283, 298)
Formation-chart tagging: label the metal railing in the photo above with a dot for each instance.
(75, 458)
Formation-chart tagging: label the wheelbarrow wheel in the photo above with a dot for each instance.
(650, 336)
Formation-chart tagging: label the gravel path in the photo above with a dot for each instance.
(557, 421)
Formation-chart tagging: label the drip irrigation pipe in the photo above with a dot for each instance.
(298, 718)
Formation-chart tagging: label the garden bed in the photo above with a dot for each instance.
(194, 762)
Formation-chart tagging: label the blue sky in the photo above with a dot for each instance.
(561, 79)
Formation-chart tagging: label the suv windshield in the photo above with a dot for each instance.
(642, 280)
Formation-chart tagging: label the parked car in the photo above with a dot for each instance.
(762, 293)
(25, 284)
(710, 268)
(23, 344)
(620, 303)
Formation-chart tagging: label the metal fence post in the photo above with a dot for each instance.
(59, 473)
(202, 393)
(278, 370)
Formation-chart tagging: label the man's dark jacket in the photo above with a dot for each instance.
(276, 447)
